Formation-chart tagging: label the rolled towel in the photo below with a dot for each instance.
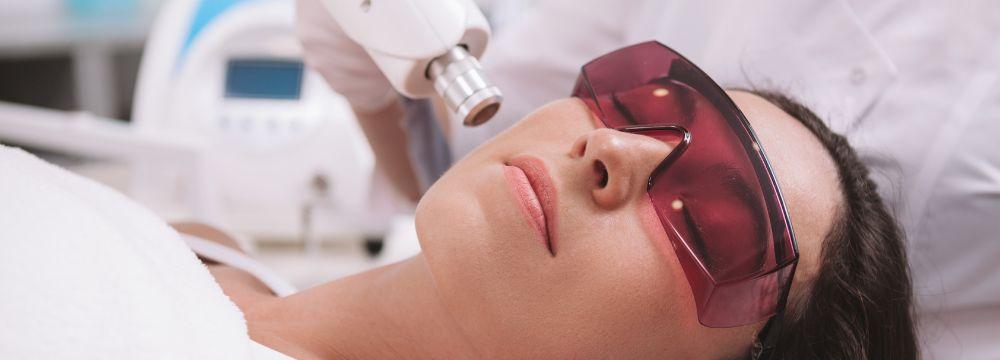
(224, 255)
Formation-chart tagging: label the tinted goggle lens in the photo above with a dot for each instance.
(715, 194)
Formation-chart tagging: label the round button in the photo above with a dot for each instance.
(858, 76)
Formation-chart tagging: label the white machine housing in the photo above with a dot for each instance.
(284, 157)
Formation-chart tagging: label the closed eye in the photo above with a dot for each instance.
(726, 226)
(733, 179)
(697, 237)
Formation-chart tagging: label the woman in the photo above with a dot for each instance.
(553, 240)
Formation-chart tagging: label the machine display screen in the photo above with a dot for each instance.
(263, 79)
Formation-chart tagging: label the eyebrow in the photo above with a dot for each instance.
(621, 108)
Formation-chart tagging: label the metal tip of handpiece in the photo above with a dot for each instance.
(476, 119)
(483, 106)
(459, 80)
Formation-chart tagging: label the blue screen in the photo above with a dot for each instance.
(263, 79)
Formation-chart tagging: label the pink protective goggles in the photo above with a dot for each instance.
(715, 194)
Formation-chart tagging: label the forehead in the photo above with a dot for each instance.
(805, 172)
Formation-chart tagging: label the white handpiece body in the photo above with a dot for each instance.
(404, 38)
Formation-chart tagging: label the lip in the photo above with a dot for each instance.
(530, 181)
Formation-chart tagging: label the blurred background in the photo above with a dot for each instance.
(160, 100)
(73, 54)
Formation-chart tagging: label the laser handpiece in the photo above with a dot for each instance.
(426, 48)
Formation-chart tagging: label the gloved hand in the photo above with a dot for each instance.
(344, 64)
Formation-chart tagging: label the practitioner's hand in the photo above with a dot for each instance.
(349, 70)
(344, 64)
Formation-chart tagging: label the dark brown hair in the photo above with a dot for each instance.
(859, 306)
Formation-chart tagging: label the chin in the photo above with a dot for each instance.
(449, 225)
(447, 231)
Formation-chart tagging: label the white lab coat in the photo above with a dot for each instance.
(915, 85)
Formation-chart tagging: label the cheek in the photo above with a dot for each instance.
(685, 327)
(683, 314)
(625, 280)
(679, 289)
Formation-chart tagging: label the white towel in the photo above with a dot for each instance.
(86, 273)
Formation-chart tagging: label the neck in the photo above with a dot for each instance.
(390, 312)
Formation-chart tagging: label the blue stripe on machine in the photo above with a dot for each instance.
(206, 12)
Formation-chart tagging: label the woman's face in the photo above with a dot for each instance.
(537, 255)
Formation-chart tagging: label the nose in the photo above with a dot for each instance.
(619, 164)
